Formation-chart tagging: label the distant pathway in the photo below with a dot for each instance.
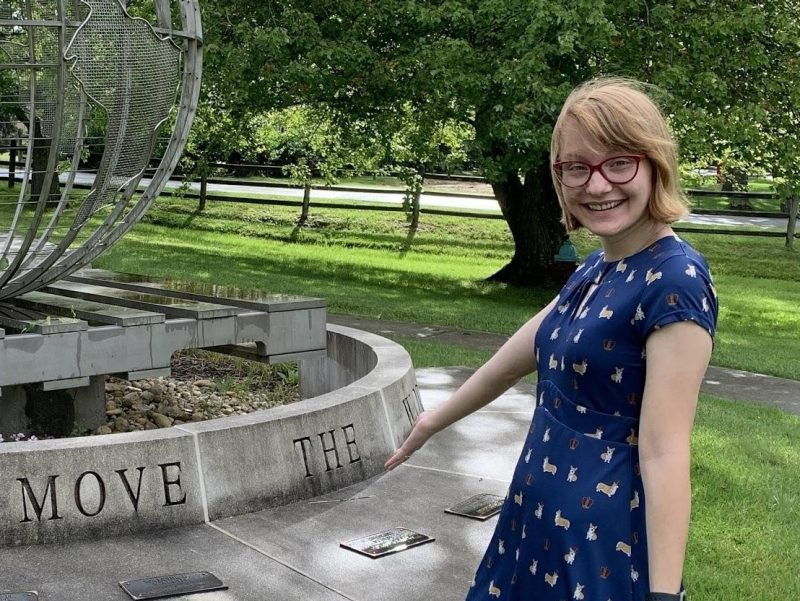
(466, 202)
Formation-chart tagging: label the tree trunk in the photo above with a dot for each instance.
(415, 208)
(203, 190)
(306, 203)
(734, 179)
(533, 215)
(792, 223)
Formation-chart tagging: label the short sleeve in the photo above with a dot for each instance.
(679, 289)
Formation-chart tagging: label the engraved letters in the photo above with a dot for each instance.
(350, 440)
(169, 484)
(27, 493)
(134, 498)
(101, 490)
(91, 491)
(303, 441)
(411, 405)
(328, 449)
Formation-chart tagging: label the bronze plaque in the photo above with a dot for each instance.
(478, 507)
(385, 543)
(158, 587)
(27, 596)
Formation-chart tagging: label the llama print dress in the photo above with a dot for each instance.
(572, 526)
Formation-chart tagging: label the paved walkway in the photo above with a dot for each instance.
(292, 553)
(719, 381)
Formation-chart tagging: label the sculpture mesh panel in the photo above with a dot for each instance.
(96, 82)
(133, 75)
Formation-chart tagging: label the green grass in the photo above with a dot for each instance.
(717, 203)
(743, 542)
(359, 281)
(433, 354)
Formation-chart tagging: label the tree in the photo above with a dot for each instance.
(731, 70)
(503, 68)
(419, 145)
(308, 143)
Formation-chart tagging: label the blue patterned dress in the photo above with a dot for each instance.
(573, 525)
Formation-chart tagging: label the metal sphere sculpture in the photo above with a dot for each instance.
(87, 93)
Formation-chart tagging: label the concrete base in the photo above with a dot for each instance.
(292, 552)
(12, 413)
(59, 490)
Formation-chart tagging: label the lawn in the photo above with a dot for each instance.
(745, 512)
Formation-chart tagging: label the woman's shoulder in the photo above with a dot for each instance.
(673, 255)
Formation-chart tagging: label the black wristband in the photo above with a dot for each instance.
(665, 597)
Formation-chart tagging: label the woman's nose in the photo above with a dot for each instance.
(597, 183)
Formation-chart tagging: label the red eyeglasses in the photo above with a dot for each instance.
(616, 170)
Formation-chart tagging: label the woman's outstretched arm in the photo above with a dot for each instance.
(511, 362)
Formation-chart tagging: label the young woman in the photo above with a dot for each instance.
(599, 503)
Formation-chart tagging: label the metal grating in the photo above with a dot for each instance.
(85, 92)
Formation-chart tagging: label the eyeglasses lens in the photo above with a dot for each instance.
(617, 170)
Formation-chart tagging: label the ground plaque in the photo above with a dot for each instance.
(27, 596)
(479, 507)
(172, 585)
(387, 542)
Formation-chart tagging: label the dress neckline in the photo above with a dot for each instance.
(635, 254)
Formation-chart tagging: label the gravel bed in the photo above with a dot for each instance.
(202, 386)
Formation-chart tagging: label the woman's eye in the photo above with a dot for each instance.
(575, 168)
(620, 163)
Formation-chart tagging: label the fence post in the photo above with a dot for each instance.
(12, 162)
(203, 185)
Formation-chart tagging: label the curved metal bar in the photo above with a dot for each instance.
(65, 194)
(22, 252)
(190, 94)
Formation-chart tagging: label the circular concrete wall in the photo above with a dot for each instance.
(359, 403)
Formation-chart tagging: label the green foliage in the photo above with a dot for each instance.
(309, 143)
(734, 105)
(215, 133)
(398, 73)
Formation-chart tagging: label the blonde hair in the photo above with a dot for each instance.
(618, 114)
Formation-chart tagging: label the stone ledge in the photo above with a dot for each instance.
(60, 490)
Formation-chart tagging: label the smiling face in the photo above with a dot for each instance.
(613, 212)
(608, 117)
